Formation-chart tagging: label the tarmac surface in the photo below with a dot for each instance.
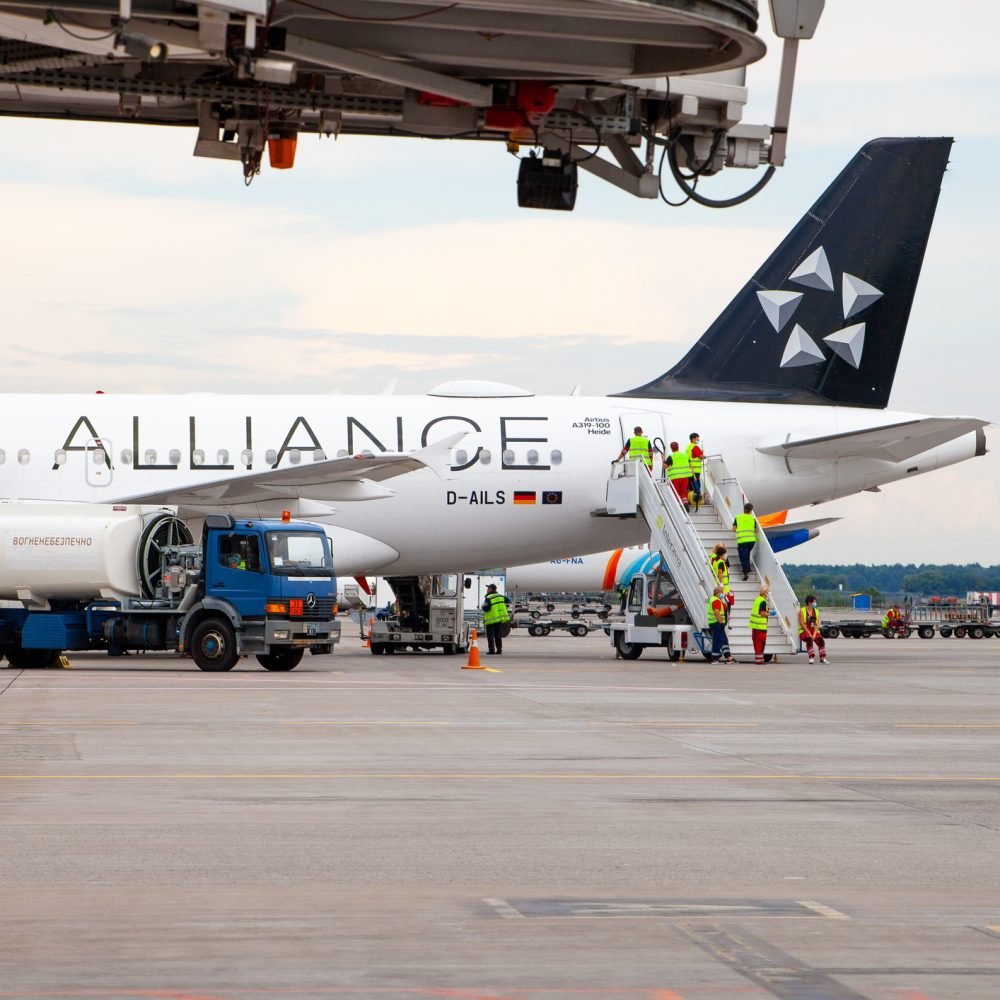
(562, 826)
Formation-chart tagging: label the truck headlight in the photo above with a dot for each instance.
(281, 633)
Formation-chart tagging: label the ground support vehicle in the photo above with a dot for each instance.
(429, 613)
(655, 618)
(546, 626)
(860, 628)
(129, 578)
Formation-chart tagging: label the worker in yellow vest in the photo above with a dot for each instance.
(758, 624)
(495, 616)
(809, 630)
(678, 472)
(745, 526)
(695, 456)
(718, 615)
(719, 561)
(638, 446)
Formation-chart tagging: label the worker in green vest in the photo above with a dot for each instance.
(695, 455)
(745, 527)
(638, 446)
(678, 472)
(495, 616)
(719, 561)
(758, 624)
(718, 615)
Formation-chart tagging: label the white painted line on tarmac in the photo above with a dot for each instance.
(822, 909)
(504, 909)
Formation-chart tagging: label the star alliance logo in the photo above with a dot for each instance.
(847, 343)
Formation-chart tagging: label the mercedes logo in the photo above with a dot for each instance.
(310, 600)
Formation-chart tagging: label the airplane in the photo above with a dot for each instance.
(611, 570)
(562, 77)
(789, 385)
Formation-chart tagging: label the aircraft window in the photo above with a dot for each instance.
(508, 457)
(60, 458)
(126, 457)
(198, 457)
(532, 457)
(223, 457)
(367, 453)
(556, 457)
(270, 456)
(319, 455)
(295, 456)
(99, 456)
(461, 456)
(175, 456)
(485, 457)
(24, 456)
(150, 457)
(3, 456)
(246, 456)
(342, 453)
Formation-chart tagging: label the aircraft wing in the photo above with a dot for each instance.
(891, 442)
(353, 478)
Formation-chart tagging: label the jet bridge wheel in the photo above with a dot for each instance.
(282, 659)
(162, 530)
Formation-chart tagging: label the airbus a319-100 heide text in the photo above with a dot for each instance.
(789, 385)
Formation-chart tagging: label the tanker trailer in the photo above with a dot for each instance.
(128, 577)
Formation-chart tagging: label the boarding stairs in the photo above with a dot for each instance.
(685, 540)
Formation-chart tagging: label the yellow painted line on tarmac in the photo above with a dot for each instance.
(492, 670)
(489, 776)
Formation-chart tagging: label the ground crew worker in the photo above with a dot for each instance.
(892, 618)
(638, 446)
(718, 615)
(678, 471)
(758, 624)
(745, 526)
(495, 617)
(719, 562)
(695, 455)
(623, 594)
(809, 630)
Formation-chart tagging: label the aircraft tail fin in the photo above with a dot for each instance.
(823, 320)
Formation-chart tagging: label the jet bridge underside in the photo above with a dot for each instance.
(577, 78)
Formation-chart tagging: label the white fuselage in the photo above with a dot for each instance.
(557, 448)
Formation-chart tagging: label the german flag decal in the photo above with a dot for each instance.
(552, 496)
(523, 497)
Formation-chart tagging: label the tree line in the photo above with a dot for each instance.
(923, 580)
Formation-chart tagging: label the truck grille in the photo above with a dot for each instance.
(322, 611)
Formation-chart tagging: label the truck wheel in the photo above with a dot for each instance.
(960, 632)
(550, 608)
(536, 614)
(574, 614)
(283, 659)
(213, 645)
(627, 650)
(945, 631)
(32, 659)
(578, 630)
(977, 632)
(536, 630)
(832, 632)
(925, 632)
(905, 633)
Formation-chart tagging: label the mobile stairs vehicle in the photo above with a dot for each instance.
(126, 577)
(430, 614)
(668, 610)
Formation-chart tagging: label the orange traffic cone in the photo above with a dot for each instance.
(368, 638)
(473, 663)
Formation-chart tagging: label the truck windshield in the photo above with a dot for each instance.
(299, 553)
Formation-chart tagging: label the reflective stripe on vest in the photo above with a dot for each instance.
(746, 528)
(639, 447)
(679, 466)
(497, 611)
(694, 462)
(758, 616)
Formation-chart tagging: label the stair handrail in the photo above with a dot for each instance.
(680, 546)
(727, 495)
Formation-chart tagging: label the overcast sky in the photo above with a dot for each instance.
(128, 265)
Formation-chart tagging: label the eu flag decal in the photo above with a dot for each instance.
(552, 496)
(520, 496)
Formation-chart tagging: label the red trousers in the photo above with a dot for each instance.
(759, 636)
(681, 489)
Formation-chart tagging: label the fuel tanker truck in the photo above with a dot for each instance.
(130, 577)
